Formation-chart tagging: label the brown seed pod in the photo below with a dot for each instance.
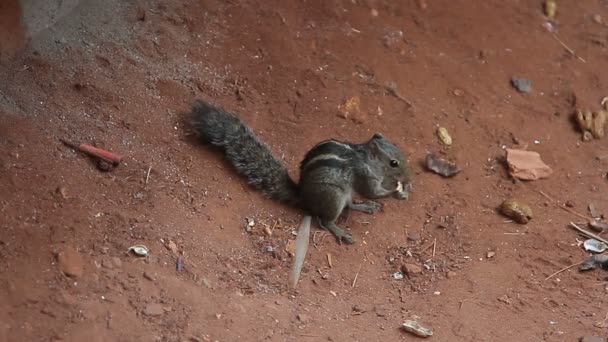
(444, 136)
(598, 124)
(584, 118)
(519, 212)
(550, 8)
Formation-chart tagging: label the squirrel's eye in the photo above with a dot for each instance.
(394, 163)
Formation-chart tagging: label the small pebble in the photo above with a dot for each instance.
(153, 309)
(414, 236)
(522, 85)
(303, 318)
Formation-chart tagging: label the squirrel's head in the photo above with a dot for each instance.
(393, 165)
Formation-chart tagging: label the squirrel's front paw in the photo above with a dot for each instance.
(369, 207)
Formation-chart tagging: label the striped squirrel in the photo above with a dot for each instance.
(331, 172)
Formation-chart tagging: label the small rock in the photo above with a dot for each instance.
(523, 85)
(505, 299)
(490, 254)
(70, 262)
(117, 262)
(149, 276)
(598, 19)
(569, 204)
(103, 165)
(290, 247)
(61, 191)
(359, 308)
(410, 269)
(303, 318)
(414, 236)
(141, 14)
(374, 12)
(106, 263)
(437, 293)
(451, 274)
(153, 310)
(172, 246)
(592, 339)
(458, 92)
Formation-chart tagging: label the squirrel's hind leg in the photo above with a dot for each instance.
(340, 234)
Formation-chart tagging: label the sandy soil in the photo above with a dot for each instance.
(120, 75)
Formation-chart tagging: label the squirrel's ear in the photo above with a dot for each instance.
(378, 136)
(375, 148)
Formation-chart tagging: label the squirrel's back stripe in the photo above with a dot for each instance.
(325, 160)
(327, 148)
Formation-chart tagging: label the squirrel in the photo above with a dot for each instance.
(330, 174)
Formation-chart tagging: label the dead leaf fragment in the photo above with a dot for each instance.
(527, 165)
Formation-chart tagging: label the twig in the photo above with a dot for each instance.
(462, 302)
(569, 49)
(392, 89)
(368, 258)
(563, 206)
(427, 247)
(588, 233)
(434, 247)
(356, 276)
(148, 174)
(564, 269)
(329, 262)
(514, 233)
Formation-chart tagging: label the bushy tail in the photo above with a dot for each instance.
(250, 156)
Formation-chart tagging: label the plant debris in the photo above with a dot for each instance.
(595, 246)
(527, 165)
(415, 328)
(441, 166)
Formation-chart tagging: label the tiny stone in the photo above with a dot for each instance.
(414, 236)
(61, 191)
(451, 274)
(598, 18)
(117, 262)
(458, 92)
(303, 318)
(70, 262)
(374, 12)
(491, 254)
(569, 204)
(105, 263)
(522, 85)
(149, 276)
(153, 309)
(410, 269)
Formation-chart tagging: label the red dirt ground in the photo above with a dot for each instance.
(120, 75)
